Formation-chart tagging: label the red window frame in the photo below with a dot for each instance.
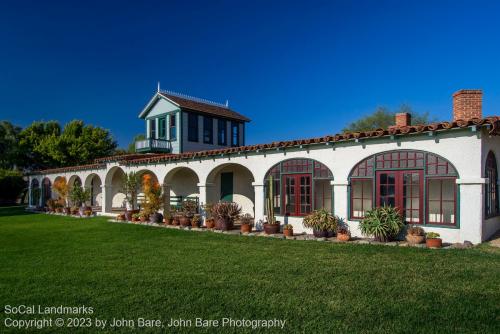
(362, 198)
(428, 220)
(298, 204)
(399, 198)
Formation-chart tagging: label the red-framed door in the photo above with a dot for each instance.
(403, 190)
(297, 194)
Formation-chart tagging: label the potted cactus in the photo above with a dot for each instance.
(225, 213)
(209, 219)
(271, 226)
(433, 240)
(246, 222)
(288, 230)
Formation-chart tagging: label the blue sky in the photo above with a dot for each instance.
(297, 69)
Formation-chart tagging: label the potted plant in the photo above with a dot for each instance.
(196, 221)
(131, 182)
(415, 235)
(79, 196)
(61, 187)
(153, 199)
(288, 230)
(88, 213)
(433, 240)
(143, 217)
(51, 205)
(177, 218)
(225, 213)
(189, 209)
(246, 222)
(168, 217)
(209, 219)
(343, 232)
(383, 223)
(75, 211)
(322, 222)
(271, 226)
(136, 217)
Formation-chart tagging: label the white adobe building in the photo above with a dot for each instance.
(443, 175)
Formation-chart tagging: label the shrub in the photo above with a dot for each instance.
(321, 220)
(61, 187)
(189, 208)
(383, 223)
(12, 185)
(415, 230)
(153, 198)
(78, 195)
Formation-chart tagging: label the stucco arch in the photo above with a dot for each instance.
(181, 183)
(74, 180)
(94, 184)
(231, 181)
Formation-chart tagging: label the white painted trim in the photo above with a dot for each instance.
(151, 103)
(477, 180)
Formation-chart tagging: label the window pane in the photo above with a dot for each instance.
(448, 189)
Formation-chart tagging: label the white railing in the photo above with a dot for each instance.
(160, 144)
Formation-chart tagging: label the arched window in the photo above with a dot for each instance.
(300, 186)
(35, 192)
(421, 184)
(491, 194)
(46, 190)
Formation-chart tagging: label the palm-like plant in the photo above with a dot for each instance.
(383, 223)
(131, 182)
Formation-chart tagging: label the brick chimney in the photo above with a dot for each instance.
(468, 103)
(403, 119)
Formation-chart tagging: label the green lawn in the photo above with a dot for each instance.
(131, 271)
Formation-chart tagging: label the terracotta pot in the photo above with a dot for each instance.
(224, 224)
(120, 217)
(59, 210)
(176, 221)
(246, 228)
(143, 219)
(168, 221)
(272, 228)
(210, 223)
(88, 213)
(434, 243)
(67, 211)
(185, 221)
(135, 219)
(129, 213)
(195, 223)
(323, 233)
(288, 233)
(343, 237)
(415, 239)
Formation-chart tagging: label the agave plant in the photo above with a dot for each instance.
(226, 211)
(383, 223)
(321, 220)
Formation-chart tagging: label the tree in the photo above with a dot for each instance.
(12, 185)
(61, 187)
(10, 154)
(382, 117)
(131, 146)
(46, 146)
(79, 196)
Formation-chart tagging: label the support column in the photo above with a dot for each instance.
(107, 198)
(470, 209)
(166, 197)
(30, 190)
(203, 189)
(259, 201)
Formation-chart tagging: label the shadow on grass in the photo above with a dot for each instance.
(14, 211)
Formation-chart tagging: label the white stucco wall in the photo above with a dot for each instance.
(462, 147)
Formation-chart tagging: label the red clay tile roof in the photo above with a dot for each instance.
(125, 157)
(206, 108)
(70, 169)
(493, 124)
